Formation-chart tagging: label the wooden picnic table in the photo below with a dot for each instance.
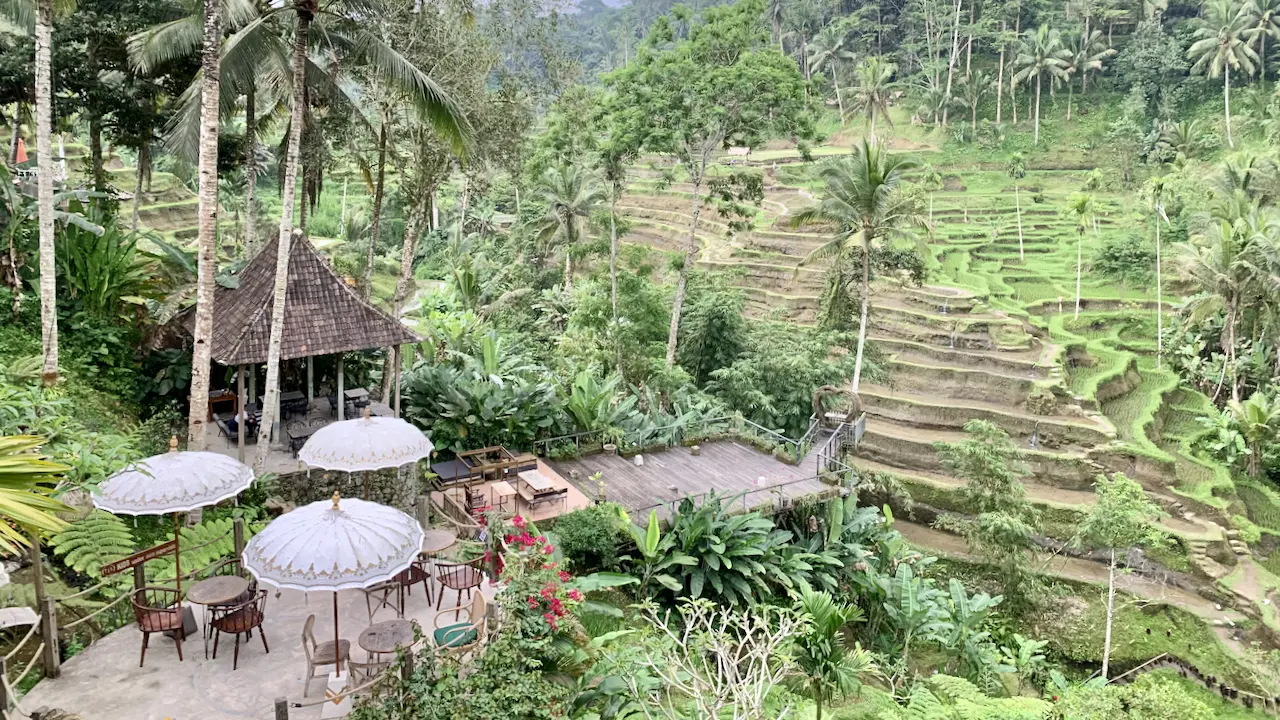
(536, 481)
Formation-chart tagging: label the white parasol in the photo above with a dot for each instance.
(328, 546)
(367, 443)
(174, 482)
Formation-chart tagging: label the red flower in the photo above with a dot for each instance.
(564, 576)
(575, 595)
(549, 549)
(518, 521)
(551, 620)
(542, 538)
(548, 592)
(533, 603)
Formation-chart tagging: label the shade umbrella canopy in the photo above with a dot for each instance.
(173, 482)
(367, 443)
(338, 544)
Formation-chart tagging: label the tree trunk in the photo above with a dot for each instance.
(95, 153)
(1159, 297)
(15, 134)
(951, 62)
(1111, 604)
(407, 252)
(1013, 84)
(207, 216)
(1036, 136)
(690, 257)
(1079, 257)
(839, 100)
(44, 190)
(973, 120)
(269, 405)
(1084, 72)
(1070, 95)
(376, 219)
(862, 322)
(968, 49)
(613, 274)
(777, 32)
(1000, 76)
(137, 191)
(250, 174)
(1226, 102)
(1017, 206)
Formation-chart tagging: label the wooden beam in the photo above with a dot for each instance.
(242, 416)
(398, 367)
(342, 400)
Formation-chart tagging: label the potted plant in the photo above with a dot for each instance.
(612, 438)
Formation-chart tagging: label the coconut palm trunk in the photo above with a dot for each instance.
(250, 173)
(862, 315)
(1079, 258)
(44, 189)
(137, 188)
(690, 256)
(306, 11)
(1000, 77)
(613, 273)
(207, 217)
(376, 220)
(1111, 604)
(1159, 297)
(1226, 102)
(1036, 135)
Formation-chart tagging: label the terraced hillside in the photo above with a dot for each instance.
(996, 335)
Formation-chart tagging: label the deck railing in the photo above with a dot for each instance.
(746, 501)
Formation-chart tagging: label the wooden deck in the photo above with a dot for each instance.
(728, 467)
(573, 500)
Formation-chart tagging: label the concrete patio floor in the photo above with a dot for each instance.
(105, 683)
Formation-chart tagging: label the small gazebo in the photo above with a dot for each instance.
(322, 316)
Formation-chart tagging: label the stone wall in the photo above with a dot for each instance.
(397, 488)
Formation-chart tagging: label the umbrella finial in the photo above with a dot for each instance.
(336, 497)
(173, 443)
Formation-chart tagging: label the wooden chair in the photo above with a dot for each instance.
(364, 673)
(321, 654)
(459, 576)
(417, 573)
(476, 501)
(384, 594)
(240, 619)
(158, 610)
(459, 638)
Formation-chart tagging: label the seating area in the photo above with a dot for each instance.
(280, 644)
(528, 487)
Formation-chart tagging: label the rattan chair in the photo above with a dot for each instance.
(158, 610)
(459, 638)
(240, 619)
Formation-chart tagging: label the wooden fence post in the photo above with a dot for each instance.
(237, 534)
(406, 670)
(422, 508)
(51, 659)
(139, 576)
(282, 709)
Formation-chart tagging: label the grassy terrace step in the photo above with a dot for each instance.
(929, 411)
(1024, 365)
(906, 446)
(959, 384)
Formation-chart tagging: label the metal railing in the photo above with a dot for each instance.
(666, 436)
(747, 500)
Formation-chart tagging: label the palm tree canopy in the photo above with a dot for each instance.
(828, 48)
(572, 194)
(1041, 54)
(1223, 39)
(27, 481)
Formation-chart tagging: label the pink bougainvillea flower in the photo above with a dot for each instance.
(575, 594)
(564, 576)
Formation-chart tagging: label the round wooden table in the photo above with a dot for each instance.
(218, 590)
(437, 541)
(386, 637)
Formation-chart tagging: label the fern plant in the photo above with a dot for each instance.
(87, 545)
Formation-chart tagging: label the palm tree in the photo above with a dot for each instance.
(875, 85)
(1016, 169)
(431, 102)
(973, 88)
(207, 233)
(44, 188)
(931, 181)
(1157, 205)
(1222, 47)
(27, 481)
(805, 20)
(827, 665)
(774, 12)
(572, 195)
(1085, 52)
(829, 51)
(863, 203)
(1266, 23)
(1258, 422)
(1080, 207)
(1041, 55)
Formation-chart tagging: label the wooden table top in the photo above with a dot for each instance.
(386, 637)
(434, 541)
(536, 480)
(502, 488)
(217, 590)
(355, 393)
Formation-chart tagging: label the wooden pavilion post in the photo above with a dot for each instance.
(398, 368)
(253, 383)
(243, 415)
(342, 400)
(311, 381)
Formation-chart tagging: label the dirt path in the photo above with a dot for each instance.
(1079, 570)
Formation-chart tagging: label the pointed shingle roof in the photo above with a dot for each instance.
(322, 315)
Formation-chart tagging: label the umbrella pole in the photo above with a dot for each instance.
(177, 559)
(337, 654)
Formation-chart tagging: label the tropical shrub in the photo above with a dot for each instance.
(591, 539)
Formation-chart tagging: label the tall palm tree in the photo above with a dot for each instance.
(829, 51)
(931, 181)
(1266, 24)
(207, 233)
(1041, 55)
(572, 195)
(863, 202)
(1085, 52)
(1223, 46)
(44, 188)
(1080, 207)
(1016, 169)
(805, 21)
(361, 46)
(774, 12)
(827, 665)
(875, 85)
